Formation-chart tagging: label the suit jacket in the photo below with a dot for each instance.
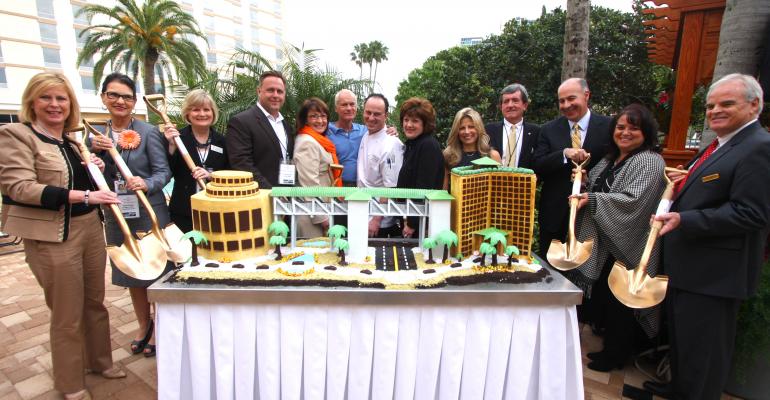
(184, 184)
(529, 137)
(555, 174)
(724, 206)
(32, 174)
(253, 146)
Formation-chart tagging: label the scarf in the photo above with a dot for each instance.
(329, 147)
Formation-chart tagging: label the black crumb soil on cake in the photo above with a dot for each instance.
(500, 277)
(277, 282)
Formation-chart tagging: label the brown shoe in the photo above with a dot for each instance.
(81, 395)
(114, 372)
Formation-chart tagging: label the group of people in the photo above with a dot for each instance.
(721, 209)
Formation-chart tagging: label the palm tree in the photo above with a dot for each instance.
(196, 237)
(511, 251)
(341, 245)
(486, 249)
(495, 238)
(429, 243)
(378, 53)
(358, 56)
(447, 239)
(575, 53)
(141, 38)
(277, 241)
(337, 232)
(278, 228)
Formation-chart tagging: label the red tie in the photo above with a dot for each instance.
(706, 154)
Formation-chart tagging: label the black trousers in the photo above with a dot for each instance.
(545, 240)
(702, 336)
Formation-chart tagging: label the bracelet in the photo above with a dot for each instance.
(85, 197)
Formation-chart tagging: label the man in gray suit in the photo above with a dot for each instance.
(715, 238)
(259, 140)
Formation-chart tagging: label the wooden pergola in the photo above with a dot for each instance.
(684, 36)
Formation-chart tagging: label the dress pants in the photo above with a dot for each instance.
(702, 337)
(72, 277)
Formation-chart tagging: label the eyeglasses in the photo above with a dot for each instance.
(317, 116)
(128, 98)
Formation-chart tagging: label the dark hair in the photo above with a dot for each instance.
(274, 74)
(379, 96)
(639, 116)
(120, 78)
(513, 88)
(422, 109)
(313, 103)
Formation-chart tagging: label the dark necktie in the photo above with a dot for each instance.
(706, 154)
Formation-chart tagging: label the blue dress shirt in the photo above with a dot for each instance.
(347, 144)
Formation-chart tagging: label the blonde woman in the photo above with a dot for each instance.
(49, 200)
(468, 141)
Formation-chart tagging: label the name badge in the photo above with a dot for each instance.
(216, 149)
(287, 173)
(129, 205)
(709, 178)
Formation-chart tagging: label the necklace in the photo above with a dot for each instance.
(47, 134)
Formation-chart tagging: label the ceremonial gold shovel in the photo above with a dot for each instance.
(162, 112)
(145, 260)
(634, 287)
(182, 250)
(570, 255)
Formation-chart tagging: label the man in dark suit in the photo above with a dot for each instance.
(575, 135)
(714, 239)
(513, 137)
(259, 140)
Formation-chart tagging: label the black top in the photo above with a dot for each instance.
(423, 166)
(184, 184)
(466, 158)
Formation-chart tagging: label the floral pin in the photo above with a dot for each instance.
(129, 139)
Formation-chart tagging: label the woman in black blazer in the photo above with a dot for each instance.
(206, 148)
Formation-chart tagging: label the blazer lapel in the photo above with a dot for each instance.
(526, 138)
(267, 128)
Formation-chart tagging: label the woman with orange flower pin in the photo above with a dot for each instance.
(141, 147)
(314, 154)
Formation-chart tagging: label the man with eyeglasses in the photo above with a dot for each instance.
(379, 160)
(259, 140)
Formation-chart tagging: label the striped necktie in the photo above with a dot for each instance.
(576, 142)
(706, 154)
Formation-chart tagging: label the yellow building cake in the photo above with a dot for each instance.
(490, 196)
(233, 214)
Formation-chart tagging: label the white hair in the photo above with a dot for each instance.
(752, 89)
(337, 96)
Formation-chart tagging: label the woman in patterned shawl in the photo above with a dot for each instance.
(624, 189)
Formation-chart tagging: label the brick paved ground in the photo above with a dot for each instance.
(25, 357)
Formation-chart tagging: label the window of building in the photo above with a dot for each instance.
(211, 22)
(79, 19)
(254, 16)
(1, 52)
(278, 54)
(8, 118)
(212, 39)
(211, 57)
(51, 57)
(254, 34)
(87, 64)
(278, 40)
(45, 8)
(48, 33)
(87, 83)
(255, 46)
(3, 78)
(277, 7)
(238, 33)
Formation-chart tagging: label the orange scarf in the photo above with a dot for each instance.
(329, 147)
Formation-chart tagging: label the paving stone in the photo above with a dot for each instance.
(129, 328)
(15, 318)
(34, 386)
(45, 361)
(30, 353)
(146, 369)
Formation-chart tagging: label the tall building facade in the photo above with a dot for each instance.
(43, 35)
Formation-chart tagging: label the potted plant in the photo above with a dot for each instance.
(750, 375)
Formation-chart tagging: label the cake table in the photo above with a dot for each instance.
(490, 341)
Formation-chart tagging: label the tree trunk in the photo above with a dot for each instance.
(278, 255)
(483, 259)
(742, 41)
(149, 71)
(509, 262)
(494, 260)
(375, 75)
(342, 258)
(446, 254)
(430, 256)
(194, 254)
(575, 54)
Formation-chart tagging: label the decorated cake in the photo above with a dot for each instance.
(236, 246)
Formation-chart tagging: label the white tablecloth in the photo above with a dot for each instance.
(252, 351)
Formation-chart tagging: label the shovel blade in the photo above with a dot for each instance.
(650, 292)
(149, 264)
(180, 250)
(559, 258)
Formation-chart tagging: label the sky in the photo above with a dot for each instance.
(413, 30)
